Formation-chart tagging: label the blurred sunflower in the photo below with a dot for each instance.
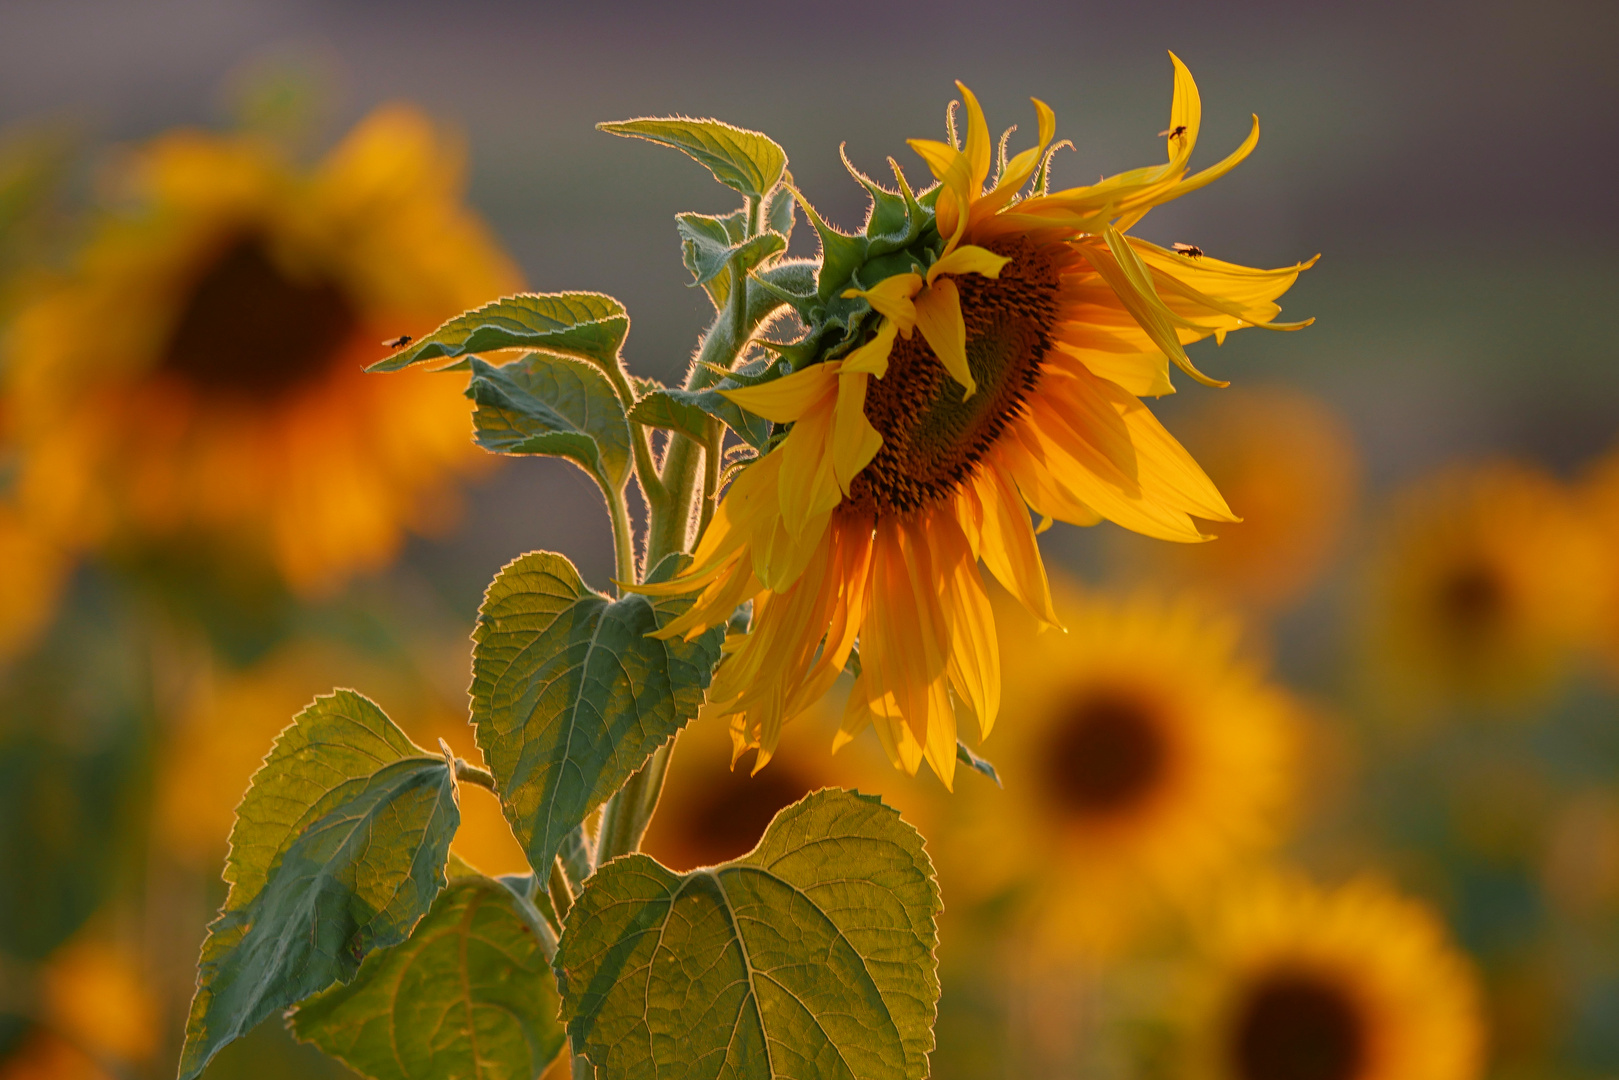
(1355, 983)
(1483, 586)
(198, 374)
(35, 570)
(1288, 463)
(229, 717)
(913, 456)
(1148, 757)
(713, 810)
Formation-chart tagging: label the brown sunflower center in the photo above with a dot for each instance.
(1471, 599)
(1299, 1026)
(250, 329)
(1106, 754)
(729, 815)
(933, 436)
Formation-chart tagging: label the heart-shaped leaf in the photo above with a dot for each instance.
(469, 995)
(591, 326)
(570, 695)
(811, 957)
(338, 849)
(552, 405)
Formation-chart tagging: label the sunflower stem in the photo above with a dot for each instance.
(623, 539)
(711, 475)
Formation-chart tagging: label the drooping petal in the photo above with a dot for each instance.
(1006, 542)
(968, 259)
(938, 316)
(975, 658)
(891, 298)
(872, 357)
(809, 485)
(788, 398)
(854, 441)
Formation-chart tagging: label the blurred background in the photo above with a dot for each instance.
(1334, 797)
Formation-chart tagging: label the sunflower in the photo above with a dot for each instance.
(1149, 757)
(1599, 503)
(1356, 983)
(198, 374)
(1290, 462)
(981, 358)
(35, 571)
(1483, 587)
(714, 809)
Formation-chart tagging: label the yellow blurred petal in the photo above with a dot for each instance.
(938, 316)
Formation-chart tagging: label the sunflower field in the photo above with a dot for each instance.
(933, 613)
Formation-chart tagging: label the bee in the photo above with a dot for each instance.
(399, 342)
(1188, 249)
(1173, 133)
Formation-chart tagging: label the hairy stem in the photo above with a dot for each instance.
(469, 773)
(623, 539)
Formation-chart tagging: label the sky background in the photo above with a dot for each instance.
(1453, 163)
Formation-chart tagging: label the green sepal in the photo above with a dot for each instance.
(570, 695)
(965, 755)
(542, 404)
(840, 255)
(590, 326)
(339, 847)
(812, 956)
(663, 408)
(470, 994)
(746, 161)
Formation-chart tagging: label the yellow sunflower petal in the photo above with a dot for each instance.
(872, 357)
(854, 441)
(891, 298)
(977, 149)
(788, 398)
(1007, 544)
(809, 487)
(938, 316)
(968, 259)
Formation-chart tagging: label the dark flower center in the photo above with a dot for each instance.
(729, 814)
(1298, 1026)
(933, 437)
(248, 329)
(1471, 599)
(1107, 754)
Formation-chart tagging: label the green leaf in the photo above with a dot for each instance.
(570, 695)
(841, 256)
(811, 957)
(339, 848)
(588, 325)
(751, 429)
(469, 995)
(661, 408)
(552, 405)
(708, 244)
(747, 161)
(779, 215)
